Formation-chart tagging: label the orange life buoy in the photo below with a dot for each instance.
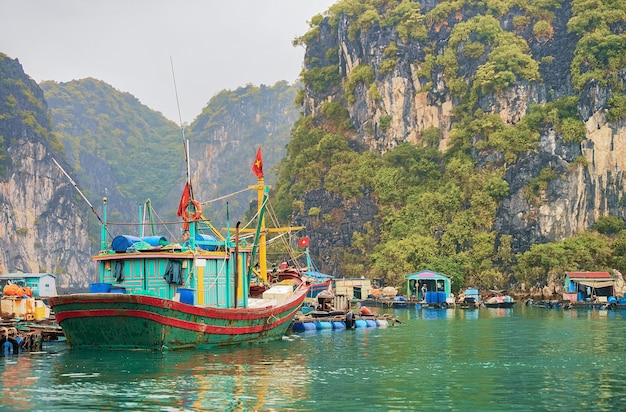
(198, 213)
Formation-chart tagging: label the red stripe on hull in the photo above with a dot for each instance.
(209, 312)
(170, 321)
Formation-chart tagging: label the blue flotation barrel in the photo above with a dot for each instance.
(297, 327)
(371, 323)
(339, 325)
(323, 325)
(309, 325)
(360, 323)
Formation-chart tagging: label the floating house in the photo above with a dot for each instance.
(42, 284)
(348, 290)
(432, 287)
(584, 286)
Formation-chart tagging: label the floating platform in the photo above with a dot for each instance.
(340, 320)
(19, 336)
(566, 304)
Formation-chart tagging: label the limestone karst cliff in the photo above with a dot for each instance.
(404, 69)
(43, 224)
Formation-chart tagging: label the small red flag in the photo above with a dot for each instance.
(304, 242)
(184, 201)
(257, 166)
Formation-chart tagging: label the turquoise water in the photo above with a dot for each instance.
(525, 358)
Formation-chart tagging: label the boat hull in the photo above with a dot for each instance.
(113, 320)
(500, 305)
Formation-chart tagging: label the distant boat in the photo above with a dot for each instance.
(153, 294)
(498, 299)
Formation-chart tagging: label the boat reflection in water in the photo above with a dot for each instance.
(245, 378)
(458, 313)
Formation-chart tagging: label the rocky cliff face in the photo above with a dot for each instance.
(225, 138)
(415, 93)
(43, 225)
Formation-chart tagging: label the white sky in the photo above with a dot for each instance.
(214, 45)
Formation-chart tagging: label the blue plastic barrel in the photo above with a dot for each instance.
(186, 295)
(371, 323)
(441, 297)
(360, 323)
(431, 298)
(339, 325)
(297, 327)
(99, 287)
(323, 325)
(309, 325)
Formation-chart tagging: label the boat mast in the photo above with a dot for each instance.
(261, 191)
(192, 226)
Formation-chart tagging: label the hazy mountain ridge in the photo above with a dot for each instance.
(120, 149)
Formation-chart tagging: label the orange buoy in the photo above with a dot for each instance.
(365, 310)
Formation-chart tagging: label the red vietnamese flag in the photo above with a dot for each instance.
(304, 242)
(184, 201)
(257, 166)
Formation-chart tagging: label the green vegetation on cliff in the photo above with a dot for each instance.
(437, 209)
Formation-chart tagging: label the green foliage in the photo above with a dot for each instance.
(618, 258)
(580, 160)
(123, 133)
(337, 117)
(431, 136)
(388, 65)
(584, 252)
(374, 93)
(616, 107)
(563, 113)
(488, 132)
(608, 225)
(473, 50)
(572, 130)
(542, 28)
(321, 79)
(540, 183)
(599, 54)
(385, 121)
(420, 191)
(359, 74)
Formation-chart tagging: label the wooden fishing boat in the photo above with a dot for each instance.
(153, 294)
(498, 299)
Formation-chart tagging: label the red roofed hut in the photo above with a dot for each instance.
(580, 286)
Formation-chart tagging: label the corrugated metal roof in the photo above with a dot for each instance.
(25, 275)
(589, 275)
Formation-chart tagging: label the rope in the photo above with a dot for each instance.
(225, 196)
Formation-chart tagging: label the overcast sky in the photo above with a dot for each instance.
(213, 44)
